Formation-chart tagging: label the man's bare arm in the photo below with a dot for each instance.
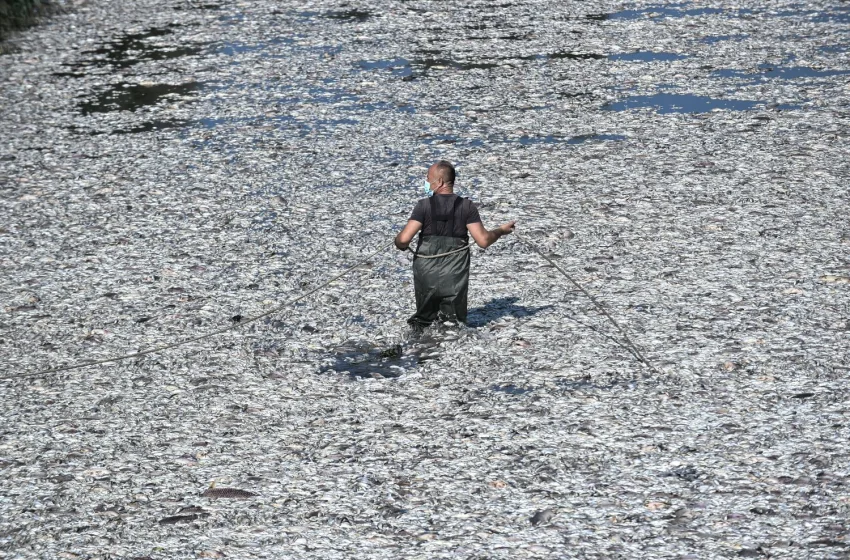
(485, 238)
(405, 236)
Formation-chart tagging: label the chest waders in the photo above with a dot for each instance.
(441, 285)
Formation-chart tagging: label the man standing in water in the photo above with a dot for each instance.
(443, 221)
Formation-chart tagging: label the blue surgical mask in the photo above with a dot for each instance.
(427, 186)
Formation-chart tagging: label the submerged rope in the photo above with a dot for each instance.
(201, 337)
(631, 345)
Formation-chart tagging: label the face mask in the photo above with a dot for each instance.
(427, 187)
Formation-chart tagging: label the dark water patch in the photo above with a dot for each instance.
(840, 14)
(573, 55)
(669, 11)
(348, 15)
(132, 49)
(365, 361)
(151, 126)
(510, 389)
(581, 139)
(69, 74)
(443, 63)
(771, 71)
(561, 55)
(687, 103)
(504, 37)
(646, 56)
(835, 48)
(342, 16)
(413, 68)
(410, 69)
(197, 6)
(129, 97)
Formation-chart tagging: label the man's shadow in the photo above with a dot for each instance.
(500, 307)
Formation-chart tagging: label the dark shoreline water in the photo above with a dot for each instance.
(16, 15)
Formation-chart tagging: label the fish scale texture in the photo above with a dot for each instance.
(169, 167)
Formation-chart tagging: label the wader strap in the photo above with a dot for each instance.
(450, 217)
(441, 218)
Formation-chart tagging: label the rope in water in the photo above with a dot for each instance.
(631, 346)
(201, 337)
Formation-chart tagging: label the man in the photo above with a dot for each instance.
(444, 222)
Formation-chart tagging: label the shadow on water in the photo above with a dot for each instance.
(131, 49)
(497, 308)
(688, 103)
(129, 97)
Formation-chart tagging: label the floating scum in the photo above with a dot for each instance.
(441, 269)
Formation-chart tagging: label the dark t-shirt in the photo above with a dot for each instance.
(466, 214)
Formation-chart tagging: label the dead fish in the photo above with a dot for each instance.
(174, 519)
(543, 516)
(232, 493)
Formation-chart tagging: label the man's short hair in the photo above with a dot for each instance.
(445, 171)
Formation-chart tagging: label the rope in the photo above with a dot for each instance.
(418, 256)
(631, 346)
(201, 337)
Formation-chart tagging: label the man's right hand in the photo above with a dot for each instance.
(508, 227)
